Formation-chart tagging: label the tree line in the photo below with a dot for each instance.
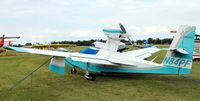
(79, 42)
(155, 41)
(90, 42)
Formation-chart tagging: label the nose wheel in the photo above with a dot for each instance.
(90, 76)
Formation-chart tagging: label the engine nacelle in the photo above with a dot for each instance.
(115, 33)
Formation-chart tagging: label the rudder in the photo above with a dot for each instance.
(180, 53)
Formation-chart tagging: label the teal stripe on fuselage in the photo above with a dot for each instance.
(112, 31)
(101, 69)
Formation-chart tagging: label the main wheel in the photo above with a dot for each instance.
(73, 71)
(91, 77)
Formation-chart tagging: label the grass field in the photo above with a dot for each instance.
(48, 86)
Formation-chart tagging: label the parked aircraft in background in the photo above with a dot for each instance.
(3, 42)
(196, 56)
(144, 45)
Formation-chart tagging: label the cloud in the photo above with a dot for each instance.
(80, 33)
(77, 19)
(31, 8)
(134, 29)
(48, 30)
(155, 29)
(86, 34)
(148, 29)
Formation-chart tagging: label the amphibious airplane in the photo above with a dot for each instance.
(178, 59)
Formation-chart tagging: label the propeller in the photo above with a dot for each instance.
(122, 28)
(124, 32)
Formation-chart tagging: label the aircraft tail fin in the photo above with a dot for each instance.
(180, 52)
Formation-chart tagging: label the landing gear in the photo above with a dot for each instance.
(89, 76)
(73, 71)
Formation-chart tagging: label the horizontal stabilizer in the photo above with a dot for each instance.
(181, 50)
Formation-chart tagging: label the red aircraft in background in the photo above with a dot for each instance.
(2, 42)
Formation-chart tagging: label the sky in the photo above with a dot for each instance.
(44, 21)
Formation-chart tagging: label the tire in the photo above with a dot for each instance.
(90, 77)
(73, 71)
(93, 78)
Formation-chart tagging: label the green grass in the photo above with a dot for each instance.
(48, 86)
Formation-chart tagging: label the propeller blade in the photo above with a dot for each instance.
(124, 31)
(130, 40)
(122, 28)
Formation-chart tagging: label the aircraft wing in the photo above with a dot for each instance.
(142, 53)
(37, 51)
(95, 59)
(10, 37)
